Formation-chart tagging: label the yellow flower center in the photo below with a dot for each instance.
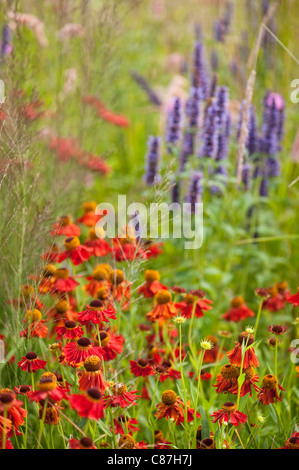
(62, 306)
(189, 299)
(249, 373)
(27, 290)
(47, 375)
(169, 397)
(62, 273)
(46, 384)
(92, 363)
(119, 389)
(229, 406)
(64, 220)
(33, 315)
(89, 206)
(282, 286)
(269, 382)
(100, 274)
(229, 371)
(49, 270)
(126, 442)
(71, 243)
(102, 293)
(151, 275)
(163, 297)
(237, 302)
(117, 276)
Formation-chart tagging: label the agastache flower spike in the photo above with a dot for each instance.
(195, 190)
(210, 133)
(199, 73)
(173, 125)
(152, 161)
(192, 112)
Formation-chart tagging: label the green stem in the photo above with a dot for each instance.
(42, 422)
(201, 355)
(258, 316)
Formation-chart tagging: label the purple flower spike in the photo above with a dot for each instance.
(192, 112)
(272, 167)
(199, 73)
(152, 161)
(210, 133)
(173, 131)
(195, 190)
(252, 142)
(6, 43)
(273, 124)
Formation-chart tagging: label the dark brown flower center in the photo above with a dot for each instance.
(96, 304)
(94, 393)
(86, 442)
(142, 362)
(6, 398)
(84, 342)
(24, 389)
(70, 324)
(277, 329)
(31, 355)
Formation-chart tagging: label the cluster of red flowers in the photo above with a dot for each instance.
(84, 340)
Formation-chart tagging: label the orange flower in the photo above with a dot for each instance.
(164, 308)
(171, 407)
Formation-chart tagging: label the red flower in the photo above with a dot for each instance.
(127, 423)
(268, 393)
(152, 284)
(92, 376)
(89, 217)
(31, 363)
(63, 281)
(212, 355)
(12, 408)
(275, 300)
(111, 344)
(164, 308)
(238, 311)
(70, 330)
(226, 379)
(277, 329)
(23, 389)
(294, 299)
(77, 352)
(160, 442)
(47, 387)
(187, 305)
(171, 407)
(76, 252)
(105, 114)
(37, 329)
(121, 397)
(90, 405)
(235, 355)
(250, 378)
(64, 226)
(229, 413)
(96, 313)
(292, 442)
(84, 443)
(141, 368)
